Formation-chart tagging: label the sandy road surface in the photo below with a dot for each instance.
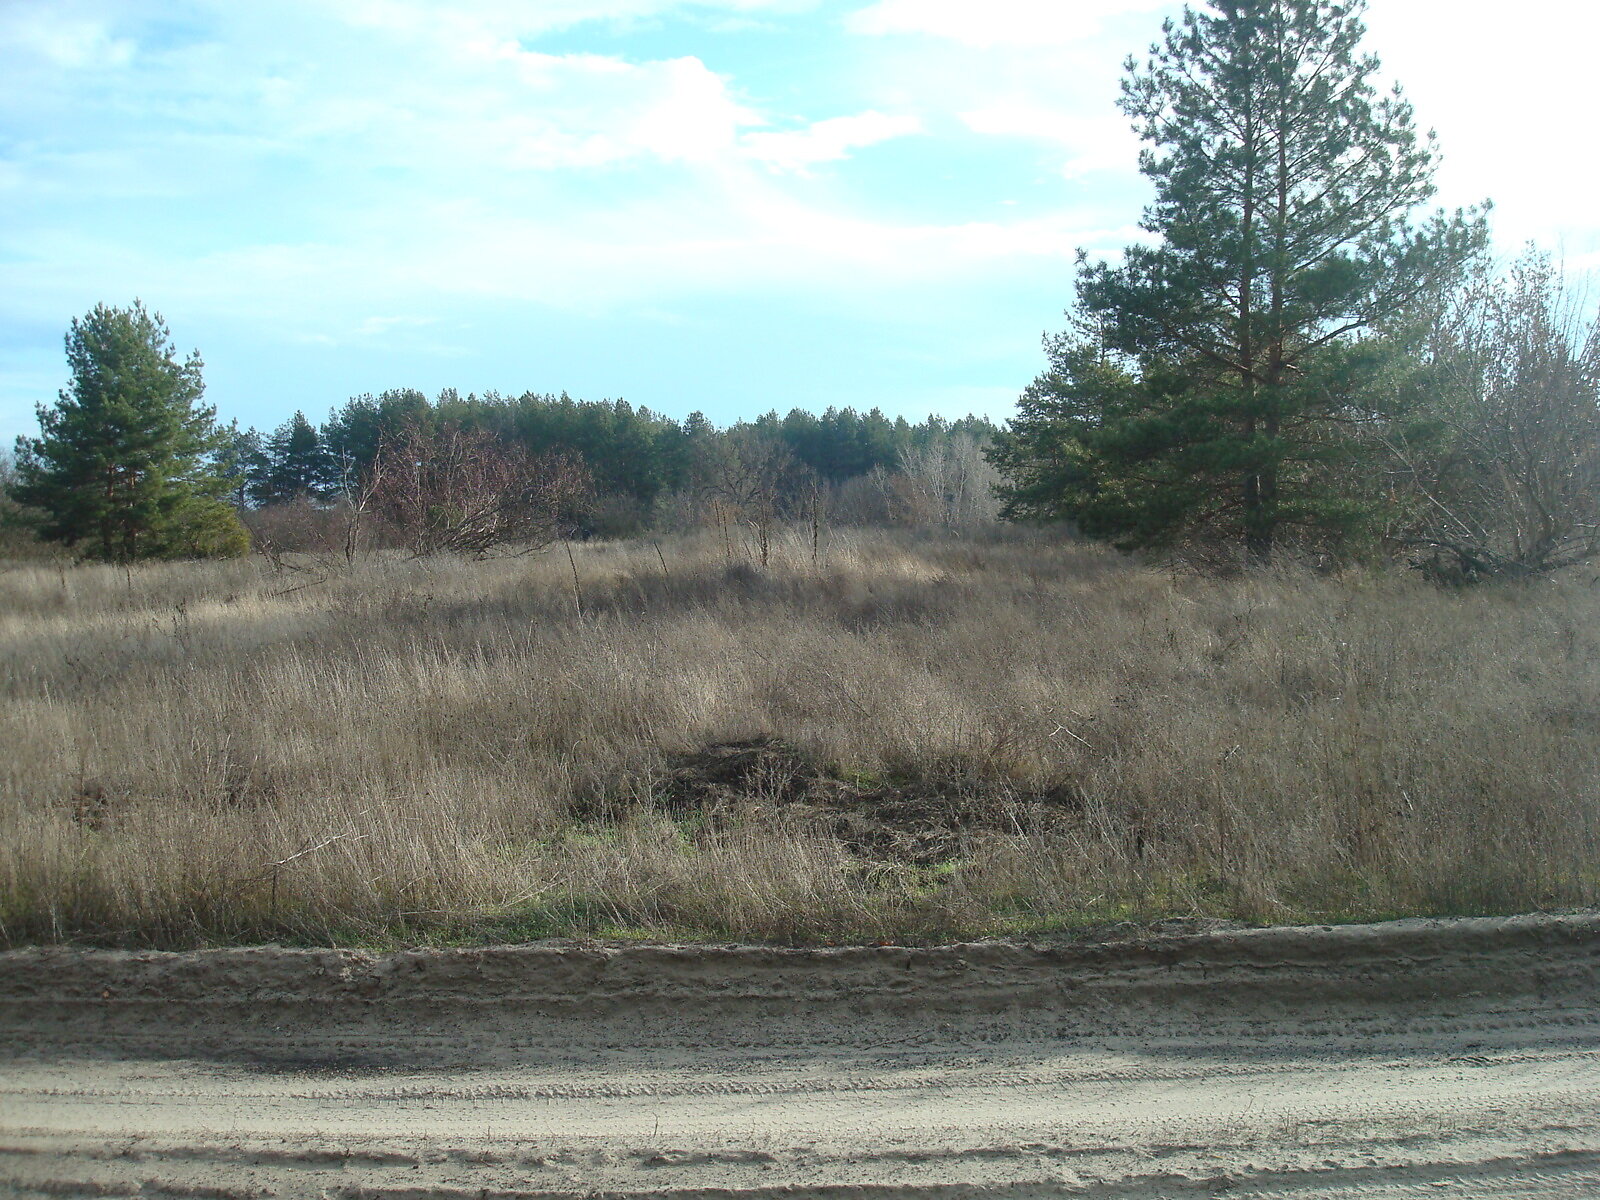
(1413, 1059)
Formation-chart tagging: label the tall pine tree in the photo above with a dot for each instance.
(1214, 384)
(124, 466)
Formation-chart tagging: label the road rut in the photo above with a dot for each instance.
(1416, 1058)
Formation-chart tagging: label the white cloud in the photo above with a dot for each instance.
(1096, 142)
(451, 21)
(828, 140)
(687, 113)
(456, 96)
(379, 326)
(1511, 100)
(541, 112)
(438, 154)
(62, 39)
(754, 231)
(994, 22)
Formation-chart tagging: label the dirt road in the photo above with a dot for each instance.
(1413, 1059)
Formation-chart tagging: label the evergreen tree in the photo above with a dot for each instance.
(1212, 383)
(125, 464)
(242, 458)
(296, 465)
(354, 434)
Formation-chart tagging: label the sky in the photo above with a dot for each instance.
(728, 206)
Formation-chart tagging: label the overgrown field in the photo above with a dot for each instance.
(898, 739)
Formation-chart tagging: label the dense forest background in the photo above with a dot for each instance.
(615, 469)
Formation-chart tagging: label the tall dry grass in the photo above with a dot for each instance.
(445, 749)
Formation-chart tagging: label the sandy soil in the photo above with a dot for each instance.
(1411, 1059)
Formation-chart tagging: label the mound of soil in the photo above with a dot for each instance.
(920, 817)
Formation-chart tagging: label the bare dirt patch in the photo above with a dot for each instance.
(918, 814)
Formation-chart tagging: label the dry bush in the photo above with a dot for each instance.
(460, 491)
(879, 498)
(444, 748)
(19, 525)
(747, 483)
(300, 526)
(947, 484)
(1503, 475)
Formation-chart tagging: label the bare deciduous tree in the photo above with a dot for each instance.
(468, 492)
(950, 483)
(1504, 474)
(750, 479)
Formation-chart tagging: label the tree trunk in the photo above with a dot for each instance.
(1257, 518)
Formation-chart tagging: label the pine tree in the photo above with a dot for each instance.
(355, 433)
(295, 464)
(1214, 383)
(242, 458)
(124, 465)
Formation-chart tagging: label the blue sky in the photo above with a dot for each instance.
(723, 205)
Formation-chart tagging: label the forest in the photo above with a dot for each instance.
(636, 469)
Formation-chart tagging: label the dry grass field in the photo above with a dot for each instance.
(903, 739)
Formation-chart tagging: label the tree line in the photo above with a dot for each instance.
(631, 453)
(624, 468)
(1298, 361)
(130, 464)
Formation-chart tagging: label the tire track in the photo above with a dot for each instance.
(1172, 1067)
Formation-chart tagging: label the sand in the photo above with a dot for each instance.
(1416, 1058)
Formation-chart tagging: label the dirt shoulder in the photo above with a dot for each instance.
(1416, 1057)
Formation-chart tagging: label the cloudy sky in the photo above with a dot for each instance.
(724, 205)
